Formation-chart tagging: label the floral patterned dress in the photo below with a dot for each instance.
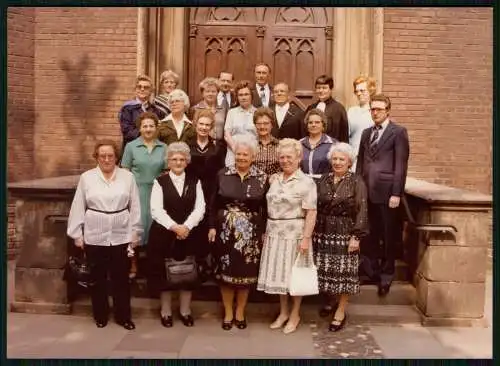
(238, 213)
(287, 202)
(342, 213)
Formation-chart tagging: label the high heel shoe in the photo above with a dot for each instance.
(167, 321)
(290, 327)
(279, 322)
(227, 324)
(340, 324)
(240, 324)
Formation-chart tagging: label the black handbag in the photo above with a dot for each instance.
(184, 272)
(78, 270)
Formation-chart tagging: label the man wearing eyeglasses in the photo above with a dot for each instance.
(383, 163)
(132, 109)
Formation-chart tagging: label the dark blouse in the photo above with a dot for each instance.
(205, 163)
(267, 158)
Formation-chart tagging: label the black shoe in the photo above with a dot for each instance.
(187, 320)
(240, 324)
(101, 324)
(227, 325)
(336, 327)
(128, 325)
(383, 290)
(167, 321)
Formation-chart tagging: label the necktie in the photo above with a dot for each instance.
(376, 132)
(263, 95)
(225, 103)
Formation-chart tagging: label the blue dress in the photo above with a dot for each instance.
(145, 166)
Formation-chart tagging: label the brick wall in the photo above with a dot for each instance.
(20, 106)
(438, 73)
(84, 71)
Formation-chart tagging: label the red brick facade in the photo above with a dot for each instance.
(438, 73)
(70, 70)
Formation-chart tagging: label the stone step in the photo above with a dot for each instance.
(358, 313)
(401, 293)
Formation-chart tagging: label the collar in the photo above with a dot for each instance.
(384, 124)
(258, 87)
(325, 139)
(177, 178)
(146, 103)
(140, 142)
(253, 172)
(327, 101)
(170, 118)
(297, 175)
(251, 110)
(273, 141)
(284, 106)
(101, 174)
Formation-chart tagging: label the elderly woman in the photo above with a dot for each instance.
(207, 158)
(291, 207)
(316, 145)
(209, 88)
(132, 109)
(236, 220)
(341, 223)
(239, 120)
(176, 126)
(168, 82)
(267, 156)
(177, 207)
(105, 220)
(145, 158)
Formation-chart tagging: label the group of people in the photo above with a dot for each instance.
(247, 178)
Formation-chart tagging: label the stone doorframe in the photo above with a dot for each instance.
(358, 33)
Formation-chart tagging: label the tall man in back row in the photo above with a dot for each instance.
(383, 163)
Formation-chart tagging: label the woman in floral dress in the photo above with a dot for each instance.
(291, 207)
(237, 218)
(341, 222)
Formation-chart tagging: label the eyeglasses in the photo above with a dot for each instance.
(106, 156)
(143, 87)
(377, 109)
(177, 160)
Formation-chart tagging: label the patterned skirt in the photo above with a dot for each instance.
(337, 268)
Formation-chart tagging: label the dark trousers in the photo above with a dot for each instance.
(112, 260)
(379, 248)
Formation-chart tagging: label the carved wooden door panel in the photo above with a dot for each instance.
(220, 48)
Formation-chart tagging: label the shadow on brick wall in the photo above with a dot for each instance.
(87, 96)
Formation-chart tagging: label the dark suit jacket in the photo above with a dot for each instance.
(257, 102)
(337, 126)
(384, 167)
(292, 125)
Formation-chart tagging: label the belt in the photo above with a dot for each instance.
(288, 218)
(107, 212)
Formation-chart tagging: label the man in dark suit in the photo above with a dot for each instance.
(337, 126)
(262, 95)
(289, 116)
(226, 97)
(383, 162)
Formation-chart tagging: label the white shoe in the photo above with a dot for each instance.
(290, 327)
(279, 322)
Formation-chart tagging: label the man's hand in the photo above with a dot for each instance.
(394, 201)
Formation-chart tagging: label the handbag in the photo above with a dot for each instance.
(304, 277)
(78, 270)
(184, 272)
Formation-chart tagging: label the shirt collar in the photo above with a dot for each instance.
(140, 142)
(184, 118)
(177, 178)
(101, 174)
(257, 87)
(272, 141)
(297, 175)
(284, 106)
(253, 172)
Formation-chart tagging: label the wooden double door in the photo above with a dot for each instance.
(295, 42)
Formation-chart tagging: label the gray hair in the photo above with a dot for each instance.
(178, 94)
(169, 74)
(209, 81)
(288, 143)
(342, 147)
(246, 140)
(178, 148)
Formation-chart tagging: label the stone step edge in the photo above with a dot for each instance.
(371, 314)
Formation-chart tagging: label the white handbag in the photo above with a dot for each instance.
(304, 277)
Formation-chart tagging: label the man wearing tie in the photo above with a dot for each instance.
(383, 162)
(225, 97)
(289, 117)
(262, 95)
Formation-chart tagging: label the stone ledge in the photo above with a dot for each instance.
(39, 308)
(440, 194)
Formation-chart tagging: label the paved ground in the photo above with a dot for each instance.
(63, 336)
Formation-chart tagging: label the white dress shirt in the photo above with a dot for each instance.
(321, 106)
(161, 216)
(281, 113)
(117, 193)
(220, 98)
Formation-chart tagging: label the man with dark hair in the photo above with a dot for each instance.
(225, 97)
(263, 92)
(383, 163)
(337, 126)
